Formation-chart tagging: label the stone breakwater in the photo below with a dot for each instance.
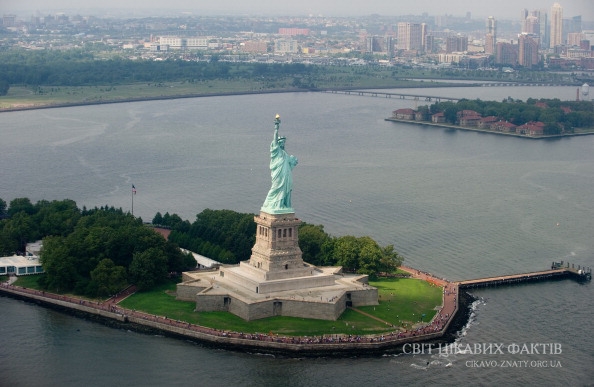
(443, 328)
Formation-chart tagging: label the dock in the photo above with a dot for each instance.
(558, 270)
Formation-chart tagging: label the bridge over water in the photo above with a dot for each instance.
(429, 98)
(416, 97)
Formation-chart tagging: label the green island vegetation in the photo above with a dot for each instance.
(30, 79)
(558, 117)
(94, 253)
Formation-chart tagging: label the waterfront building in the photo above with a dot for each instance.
(556, 37)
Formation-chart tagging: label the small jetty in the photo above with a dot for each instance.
(559, 270)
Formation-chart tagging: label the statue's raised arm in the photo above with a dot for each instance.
(278, 200)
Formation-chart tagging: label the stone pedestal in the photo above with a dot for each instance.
(275, 281)
(276, 251)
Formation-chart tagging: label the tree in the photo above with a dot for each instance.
(20, 204)
(107, 278)
(56, 217)
(59, 266)
(148, 268)
(451, 114)
(158, 219)
(21, 229)
(2, 209)
(370, 256)
(391, 260)
(346, 252)
(311, 240)
(4, 86)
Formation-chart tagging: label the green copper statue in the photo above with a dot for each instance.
(278, 200)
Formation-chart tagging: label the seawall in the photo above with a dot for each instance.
(328, 345)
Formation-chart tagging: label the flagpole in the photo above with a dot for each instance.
(132, 193)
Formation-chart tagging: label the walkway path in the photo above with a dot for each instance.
(373, 317)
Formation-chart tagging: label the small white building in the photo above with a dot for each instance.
(202, 262)
(23, 265)
(19, 265)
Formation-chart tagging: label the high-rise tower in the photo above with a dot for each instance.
(490, 35)
(556, 38)
(410, 36)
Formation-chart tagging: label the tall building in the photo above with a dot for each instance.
(375, 44)
(545, 31)
(8, 20)
(556, 38)
(575, 38)
(506, 54)
(490, 35)
(456, 43)
(531, 25)
(527, 50)
(424, 36)
(429, 44)
(410, 36)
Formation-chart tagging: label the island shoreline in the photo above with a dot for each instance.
(115, 317)
(486, 131)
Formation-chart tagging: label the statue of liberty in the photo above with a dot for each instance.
(278, 200)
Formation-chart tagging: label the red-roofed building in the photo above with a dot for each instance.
(531, 128)
(504, 126)
(487, 122)
(438, 118)
(464, 113)
(404, 114)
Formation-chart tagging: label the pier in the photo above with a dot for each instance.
(558, 271)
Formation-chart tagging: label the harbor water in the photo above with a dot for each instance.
(458, 204)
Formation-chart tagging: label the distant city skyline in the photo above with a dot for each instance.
(502, 9)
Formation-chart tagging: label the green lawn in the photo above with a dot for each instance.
(402, 303)
(405, 300)
(28, 97)
(19, 96)
(28, 281)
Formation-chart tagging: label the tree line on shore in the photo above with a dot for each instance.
(97, 252)
(80, 68)
(92, 252)
(86, 67)
(228, 237)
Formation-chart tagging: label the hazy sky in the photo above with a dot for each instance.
(503, 9)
